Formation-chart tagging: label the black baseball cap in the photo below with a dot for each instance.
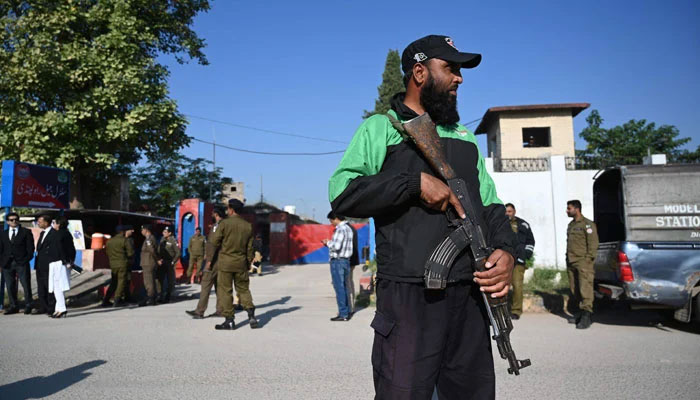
(235, 204)
(436, 46)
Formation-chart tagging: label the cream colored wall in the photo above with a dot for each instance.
(511, 124)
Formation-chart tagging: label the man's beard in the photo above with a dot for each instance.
(440, 105)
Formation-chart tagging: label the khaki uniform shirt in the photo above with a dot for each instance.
(120, 251)
(210, 253)
(581, 240)
(168, 250)
(149, 252)
(234, 241)
(196, 246)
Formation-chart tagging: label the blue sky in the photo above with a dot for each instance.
(311, 68)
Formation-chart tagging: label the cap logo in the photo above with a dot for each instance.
(451, 43)
(419, 57)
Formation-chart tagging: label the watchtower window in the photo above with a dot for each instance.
(233, 188)
(537, 137)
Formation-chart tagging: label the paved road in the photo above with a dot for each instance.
(159, 353)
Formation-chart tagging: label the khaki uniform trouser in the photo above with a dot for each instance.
(194, 260)
(117, 286)
(581, 274)
(209, 279)
(516, 301)
(149, 280)
(225, 281)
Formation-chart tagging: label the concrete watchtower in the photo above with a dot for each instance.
(530, 131)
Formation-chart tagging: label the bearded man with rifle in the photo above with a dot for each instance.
(440, 278)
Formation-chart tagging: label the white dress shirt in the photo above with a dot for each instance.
(46, 232)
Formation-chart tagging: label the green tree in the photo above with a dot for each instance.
(160, 185)
(80, 85)
(687, 156)
(630, 142)
(392, 83)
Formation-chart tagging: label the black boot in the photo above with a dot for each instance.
(254, 324)
(144, 302)
(585, 321)
(575, 317)
(226, 325)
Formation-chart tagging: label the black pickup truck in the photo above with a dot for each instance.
(648, 219)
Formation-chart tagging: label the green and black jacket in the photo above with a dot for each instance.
(379, 177)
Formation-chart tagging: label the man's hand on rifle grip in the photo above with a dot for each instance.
(499, 271)
(437, 195)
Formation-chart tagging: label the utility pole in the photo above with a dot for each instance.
(261, 189)
(213, 167)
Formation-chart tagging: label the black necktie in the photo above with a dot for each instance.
(12, 238)
(41, 238)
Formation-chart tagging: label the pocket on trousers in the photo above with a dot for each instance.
(384, 347)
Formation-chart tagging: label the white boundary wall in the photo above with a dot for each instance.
(540, 199)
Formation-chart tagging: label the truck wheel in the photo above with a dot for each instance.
(696, 309)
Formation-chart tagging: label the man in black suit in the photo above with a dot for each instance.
(16, 250)
(48, 250)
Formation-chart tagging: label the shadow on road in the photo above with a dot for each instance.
(96, 309)
(265, 317)
(609, 312)
(268, 269)
(555, 303)
(45, 386)
(619, 313)
(281, 301)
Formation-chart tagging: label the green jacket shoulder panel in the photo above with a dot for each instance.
(365, 154)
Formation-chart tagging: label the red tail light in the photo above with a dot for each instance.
(623, 264)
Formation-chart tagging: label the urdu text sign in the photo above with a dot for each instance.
(34, 186)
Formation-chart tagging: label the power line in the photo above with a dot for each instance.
(267, 153)
(266, 130)
(472, 122)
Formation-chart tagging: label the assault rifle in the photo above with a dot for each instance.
(467, 234)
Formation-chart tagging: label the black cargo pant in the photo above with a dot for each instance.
(426, 339)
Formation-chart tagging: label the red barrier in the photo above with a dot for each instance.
(305, 239)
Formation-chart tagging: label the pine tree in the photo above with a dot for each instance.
(392, 83)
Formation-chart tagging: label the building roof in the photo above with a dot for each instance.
(492, 112)
(77, 213)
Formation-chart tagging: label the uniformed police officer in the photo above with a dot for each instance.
(196, 250)
(234, 241)
(581, 250)
(523, 252)
(120, 252)
(149, 263)
(168, 254)
(209, 272)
